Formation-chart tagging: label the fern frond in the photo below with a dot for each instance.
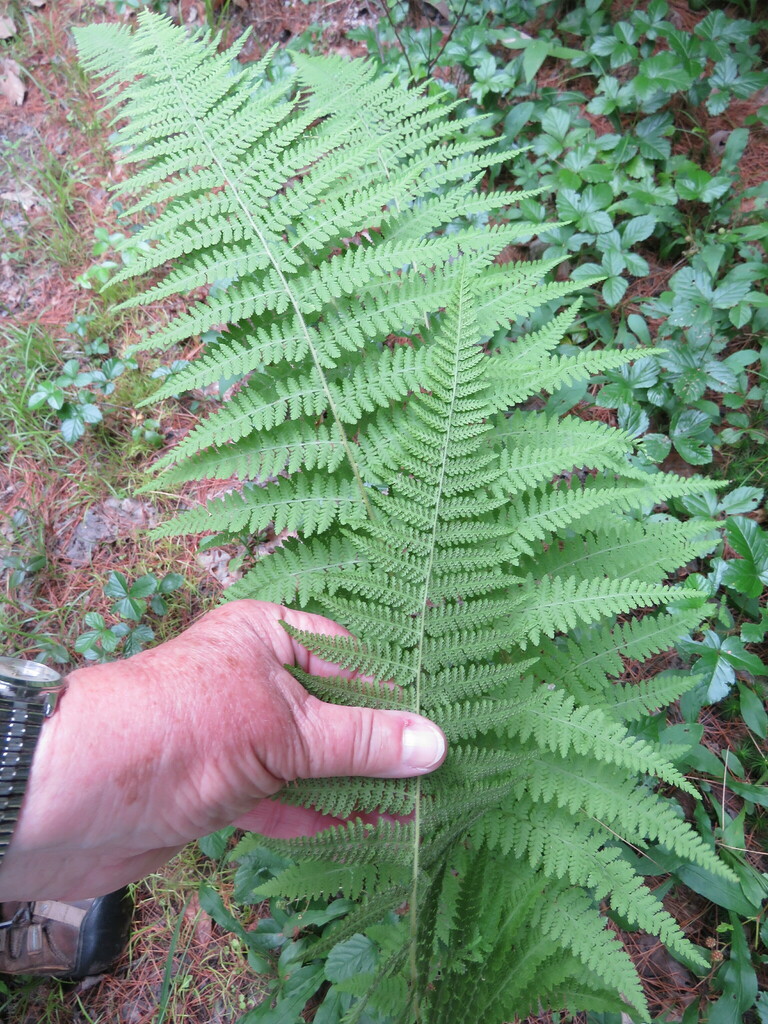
(326, 879)
(555, 723)
(383, 661)
(394, 840)
(338, 798)
(583, 666)
(583, 787)
(581, 856)
(482, 554)
(289, 447)
(266, 402)
(646, 551)
(629, 702)
(352, 692)
(298, 571)
(572, 921)
(286, 504)
(544, 513)
(560, 603)
(538, 447)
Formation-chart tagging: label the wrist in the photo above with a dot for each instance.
(68, 785)
(28, 697)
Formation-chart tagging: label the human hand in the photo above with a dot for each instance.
(144, 755)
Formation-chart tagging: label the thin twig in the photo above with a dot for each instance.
(431, 61)
(448, 38)
(393, 26)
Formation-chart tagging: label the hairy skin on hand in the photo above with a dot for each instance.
(145, 755)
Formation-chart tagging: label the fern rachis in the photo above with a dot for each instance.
(429, 517)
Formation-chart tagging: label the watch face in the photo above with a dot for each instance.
(26, 673)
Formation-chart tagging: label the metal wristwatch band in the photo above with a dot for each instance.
(28, 694)
(20, 725)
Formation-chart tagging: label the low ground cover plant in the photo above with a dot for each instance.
(490, 556)
(622, 128)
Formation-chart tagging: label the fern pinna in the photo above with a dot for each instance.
(487, 557)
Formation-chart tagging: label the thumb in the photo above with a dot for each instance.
(361, 741)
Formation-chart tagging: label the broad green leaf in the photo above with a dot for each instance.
(639, 327)
(656, 446)
(73, 426)
(170, 582)
(741, 500)
(331, 1010)
(637, 229)
(90, 413)
(692, 435)
(614, 289)
(517, 118)
(86, 641)
(633, 419)
(712, 665)
(144, 586)
(556, 122)
(736, 978)
(757, 793)
(749, 573)
(215, 844)
(116, 585)
(47, 393)
(722, 891)
(753, 632)
(137, 640)
(730, 293)
(536, 52)
(651, 134)
(355, 956)
(127, 605)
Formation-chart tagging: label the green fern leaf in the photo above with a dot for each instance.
(495, 564)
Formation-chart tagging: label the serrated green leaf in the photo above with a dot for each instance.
(656, 446)
(637, 229)
(72, 426)
(614, 289)
(749, 573)
(356, 955)
(137, 639)
(90, 413)
(741, 500)
(144, 586)
(116, 585)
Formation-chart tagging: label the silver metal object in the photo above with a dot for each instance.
(28, 695)
(29, 680)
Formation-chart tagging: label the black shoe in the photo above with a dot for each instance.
(64, 940)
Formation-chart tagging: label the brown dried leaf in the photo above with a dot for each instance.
(7, 27)
(25, 197)
(216, 562)
(105, 523)
(11, 86)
